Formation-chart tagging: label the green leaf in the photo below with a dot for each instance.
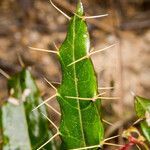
(81, 125)
(142, 107)
(23, 128)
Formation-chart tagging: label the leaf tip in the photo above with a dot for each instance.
(79, 10)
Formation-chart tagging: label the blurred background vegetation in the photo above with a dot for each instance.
(126, 66)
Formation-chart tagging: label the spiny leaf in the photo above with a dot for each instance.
(81, 125)
(142, 107)
(22, 128)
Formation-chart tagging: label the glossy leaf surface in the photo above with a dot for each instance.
(142, 106)
(81, 125)
(23, 128)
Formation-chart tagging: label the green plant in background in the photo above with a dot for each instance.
(132, 134)
(142, 107)
(23, 128)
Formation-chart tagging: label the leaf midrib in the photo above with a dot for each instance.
(76, 84)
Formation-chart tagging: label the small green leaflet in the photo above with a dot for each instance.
(81, 124)
(22, 128)
(142, 107)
